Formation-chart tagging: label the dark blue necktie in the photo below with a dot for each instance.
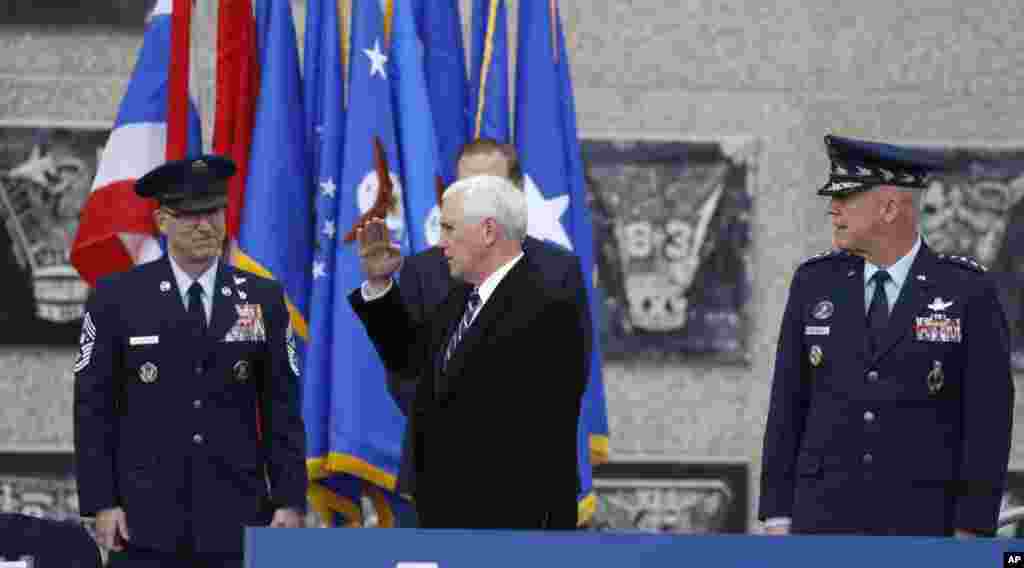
(467, 318)
(878, 312)
(195, 307)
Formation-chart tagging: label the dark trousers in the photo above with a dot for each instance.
(134, 557)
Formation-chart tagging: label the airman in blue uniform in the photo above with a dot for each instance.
(187, 421)
(892, 397)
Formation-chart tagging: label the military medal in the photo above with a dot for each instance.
(936, 378)
(148, 373)
(816, 355)
(165, 286)
(241, 370)
(823, 309)
(226, 291)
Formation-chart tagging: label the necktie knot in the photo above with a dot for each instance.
(474, 301)
(881, 277)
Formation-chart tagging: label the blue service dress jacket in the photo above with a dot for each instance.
(911, 441)
(194, 433)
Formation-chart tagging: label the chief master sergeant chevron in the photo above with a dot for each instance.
(891, 403)
(187, 423)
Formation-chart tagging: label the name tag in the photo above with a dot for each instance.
(144, 340)
(816, 330)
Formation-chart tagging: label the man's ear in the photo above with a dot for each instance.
(491, 231)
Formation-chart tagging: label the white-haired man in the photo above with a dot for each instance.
(499, 367)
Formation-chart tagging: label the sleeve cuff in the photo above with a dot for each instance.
(777, 522)
(369, 294)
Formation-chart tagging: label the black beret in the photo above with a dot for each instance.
(193, 184)
(859, 165)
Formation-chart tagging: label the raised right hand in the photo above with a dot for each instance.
(112, 529)
(380, 258)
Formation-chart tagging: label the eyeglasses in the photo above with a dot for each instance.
(194, 217)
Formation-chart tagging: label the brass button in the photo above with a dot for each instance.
(868, 458)
(197, 439)
(197, 404)
(872, 376)
(199, 368)
(869, 416)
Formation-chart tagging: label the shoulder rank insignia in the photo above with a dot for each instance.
(831, 253)
(963, 262)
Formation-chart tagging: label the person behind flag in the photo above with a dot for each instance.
(891, 405)
(500, 342)
(425, 280)
(186, 415)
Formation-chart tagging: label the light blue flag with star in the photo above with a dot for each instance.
(334, 495)
(366, 426)
(549, 151)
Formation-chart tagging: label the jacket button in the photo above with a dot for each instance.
(869, 416)
(868, 458)
(199, 368)
(197, 439)
(872, 376)
(197, 404)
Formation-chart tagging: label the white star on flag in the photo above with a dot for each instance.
(377, 60)
(543, 215)
(329, 229)
(327, 188)
(319, 269)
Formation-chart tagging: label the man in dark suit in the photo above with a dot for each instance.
(498, 366)
(891, 404)
(48, 542)
(187, 423)
(424, 280)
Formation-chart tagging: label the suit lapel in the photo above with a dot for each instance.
(453, 305)
(170, 302)
(224, 314)
(490, 313)
(850, 292)
(913, 297)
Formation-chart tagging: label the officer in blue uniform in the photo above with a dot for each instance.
(187, 422)
(891, 403)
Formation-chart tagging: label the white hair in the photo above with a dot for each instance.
(492, 196)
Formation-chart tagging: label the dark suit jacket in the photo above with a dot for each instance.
(424, 282)
(861, 444)
(493, 436)
(167, 418)
(56, 544)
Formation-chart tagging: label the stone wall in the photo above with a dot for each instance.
(785, 72)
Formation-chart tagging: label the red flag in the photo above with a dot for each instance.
(237, 90)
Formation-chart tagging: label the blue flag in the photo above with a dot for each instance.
(275, 237)
(335, 496)
(366, 426)
(489, 100)
(548, 147)
(440, 27)
(417, 142)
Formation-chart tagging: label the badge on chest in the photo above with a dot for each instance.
(938, 326)
(249, 325)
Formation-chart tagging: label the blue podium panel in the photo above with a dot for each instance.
(411, 548)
